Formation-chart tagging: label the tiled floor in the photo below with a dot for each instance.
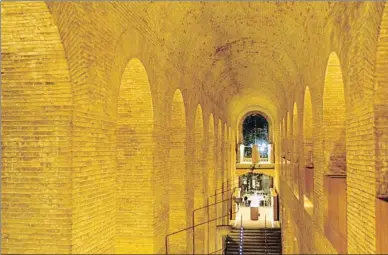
(265, 218)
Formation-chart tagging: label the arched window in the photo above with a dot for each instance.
(255, 132)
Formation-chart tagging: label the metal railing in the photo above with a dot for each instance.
(207, 206)
(192, 228)
(230, 214)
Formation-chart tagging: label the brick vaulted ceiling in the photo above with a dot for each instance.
(241, 53)
(248, 52)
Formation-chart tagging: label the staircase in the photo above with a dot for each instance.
(255, 241)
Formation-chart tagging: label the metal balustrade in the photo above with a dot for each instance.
(229, 214)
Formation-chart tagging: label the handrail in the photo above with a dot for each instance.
(216, 251)
(208, 212)
(207, 206)
(215, 194)
(192, 227)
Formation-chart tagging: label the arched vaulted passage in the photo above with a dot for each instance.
(295, 150)
(199, 182)
(334, 144)
(334, 118)
(307, 128)
(219, 172)
(288, 168)
(37, 114)
(284, 137)
(289, 136)
(225, 181)
(178, 215)
(295, 133)
(308, 145)
(281, 135)
(211, 169)
(211, 163)
(234, 155)
(135, 141)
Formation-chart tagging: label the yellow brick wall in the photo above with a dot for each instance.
(80, 85)
(37, 109)
(307, 125)
(334, 117)
(381, 108)
(134, 134)
(199, 181)
(178, 219)
(211, 170)
(356, 50)
(65, 182)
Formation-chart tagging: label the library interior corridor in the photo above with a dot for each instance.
(194, 127)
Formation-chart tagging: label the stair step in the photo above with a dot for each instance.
(257, 236)
(258, 229)
(255, 241)
(236, 239)
(255, 246)
(253, 253)
(256, 233)
(249, 251)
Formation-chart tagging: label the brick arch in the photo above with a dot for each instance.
(334, 117)
(283, 137)
(281, 148)
(295, 150)
(308, 145)
(334, 149)
(178, 214)
(37, 115)
(225, 155)
(211, 169)
(199, 181)
(307, 127)
(289, 136)
(134, 134)
(234, 154)
(295, 133)
(225, 168)
(219, 172)
(381, 107)
(211, 160)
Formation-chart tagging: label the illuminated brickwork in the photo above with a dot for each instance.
(120, 118)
